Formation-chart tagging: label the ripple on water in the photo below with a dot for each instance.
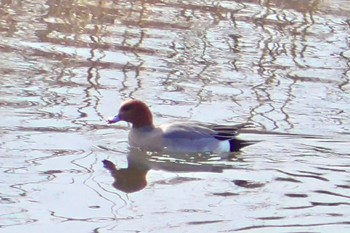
(283, 65)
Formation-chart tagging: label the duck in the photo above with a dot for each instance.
(176, 137)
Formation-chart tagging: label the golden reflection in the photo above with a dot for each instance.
(298, 5)
(186, 48)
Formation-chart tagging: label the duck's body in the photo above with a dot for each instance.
(178, 137)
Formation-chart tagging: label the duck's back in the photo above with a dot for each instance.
(187, 137)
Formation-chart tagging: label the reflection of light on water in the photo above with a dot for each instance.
(281, 64)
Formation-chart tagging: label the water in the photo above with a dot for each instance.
(67, 65)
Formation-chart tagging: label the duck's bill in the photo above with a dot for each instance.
(114, 119)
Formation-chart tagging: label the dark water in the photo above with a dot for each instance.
(66, 65)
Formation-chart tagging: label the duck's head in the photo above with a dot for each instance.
(135, 112)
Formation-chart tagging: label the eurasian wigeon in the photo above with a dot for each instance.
(179, 137)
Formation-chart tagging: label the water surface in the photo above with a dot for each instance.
(67, 65)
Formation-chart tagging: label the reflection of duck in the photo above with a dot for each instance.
(176, 137)
(130, 179)
(133, 178)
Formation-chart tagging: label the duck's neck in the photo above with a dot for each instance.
(144, 128)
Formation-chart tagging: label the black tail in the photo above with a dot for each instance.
(229, 133)
(237, 144)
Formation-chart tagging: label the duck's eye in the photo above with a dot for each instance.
(125, 108)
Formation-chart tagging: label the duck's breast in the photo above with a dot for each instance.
(146, 139)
